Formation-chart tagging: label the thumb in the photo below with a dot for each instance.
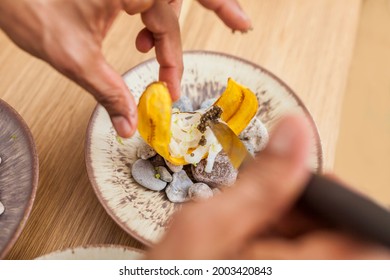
(109, 89)
(266, 189)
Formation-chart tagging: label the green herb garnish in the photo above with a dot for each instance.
(119, 140)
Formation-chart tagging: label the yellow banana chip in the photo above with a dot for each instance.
(238, 104)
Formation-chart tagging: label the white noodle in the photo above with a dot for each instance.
(186, 136)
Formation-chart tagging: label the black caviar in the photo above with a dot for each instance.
(211, 115)
(202, 141)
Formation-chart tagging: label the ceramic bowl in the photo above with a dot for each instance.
(95, 252)
(18, 175)
(143, 213)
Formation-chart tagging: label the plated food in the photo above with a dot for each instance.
(180, 153)
(18, 176)
(144, 213)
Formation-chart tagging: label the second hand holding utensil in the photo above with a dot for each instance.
(324, 197)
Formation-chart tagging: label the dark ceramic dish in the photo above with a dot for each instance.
(18, 175)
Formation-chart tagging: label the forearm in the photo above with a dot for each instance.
(22, 21)
(9, 11)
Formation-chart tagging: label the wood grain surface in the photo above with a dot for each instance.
(308, 44)
(365, 126)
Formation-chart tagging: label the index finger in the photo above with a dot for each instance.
(230, 12)
(162, 21)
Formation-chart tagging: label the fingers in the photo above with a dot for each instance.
(301, 221)
(267, 189)
(324, 245)
(114, 95)
(133, 7)
(144, 41)
(230, 12)
(176, 6)
(109, 89)
(298, 222)
(162, 22)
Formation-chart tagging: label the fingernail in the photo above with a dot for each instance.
(122, 126)
(283, 139)
(244, 17)
(248, 30)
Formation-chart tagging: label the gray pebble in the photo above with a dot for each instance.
(223, 173)
(164, 174)
(256, 133)
(145, 151)
(199, 192)
(207, 103)
(177, 190)
(157, 160)
(216, 191)
(144, 174)
(1, 160)
(174, 168)
(184, 104)
(2, 208)
(249, 146)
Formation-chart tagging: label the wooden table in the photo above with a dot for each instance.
(306, 43)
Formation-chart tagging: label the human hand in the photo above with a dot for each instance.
(68, 34)
(257, 219)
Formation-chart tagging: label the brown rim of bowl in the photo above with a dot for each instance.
(92, 120)
(95, 246)
(35, 169)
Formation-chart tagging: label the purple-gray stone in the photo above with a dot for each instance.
(222, 174)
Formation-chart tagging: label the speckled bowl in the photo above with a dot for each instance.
(18, 175)
(95, 252)
(143, 213)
